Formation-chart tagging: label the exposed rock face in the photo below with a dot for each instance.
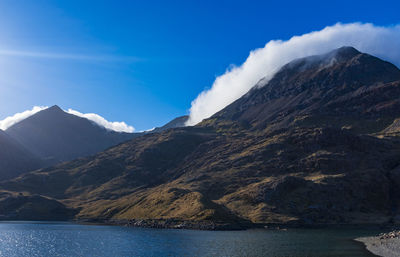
(57, 136)
(309, 147)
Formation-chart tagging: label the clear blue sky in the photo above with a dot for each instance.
(143, 62)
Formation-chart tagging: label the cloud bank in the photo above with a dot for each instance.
(383, 42)
(116, 125)
(11, 120)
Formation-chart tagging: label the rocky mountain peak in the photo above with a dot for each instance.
(55, 108)
(345, 52)
(341, 82)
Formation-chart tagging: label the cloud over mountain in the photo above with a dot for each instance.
(11, 120)
(115, 126)
(383, 42)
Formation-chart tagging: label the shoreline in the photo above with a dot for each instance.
(173, 224)
(215, 225)
(385, 244)
(226, 226)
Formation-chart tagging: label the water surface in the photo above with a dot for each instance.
(22, 239)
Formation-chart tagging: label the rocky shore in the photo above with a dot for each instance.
(177, 224)
(173, 224)
(385, 244)
(215, 225)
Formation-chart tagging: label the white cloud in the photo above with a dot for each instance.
(383, 42)
(116, 126)
(11, 120)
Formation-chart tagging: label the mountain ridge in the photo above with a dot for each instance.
(310, 147)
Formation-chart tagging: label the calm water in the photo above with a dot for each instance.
(66, 239)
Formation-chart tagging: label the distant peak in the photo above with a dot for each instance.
(342, 54)
(55, 108)
(345, 52)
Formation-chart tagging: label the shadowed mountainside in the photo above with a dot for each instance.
(318, 144)
(14, 158)
(57, 136)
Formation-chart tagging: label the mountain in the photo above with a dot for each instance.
(317, 144)
(341, 88)
(57, 136)
(14, 158)
(175, 123)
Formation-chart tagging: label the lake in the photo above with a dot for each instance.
(42, 239)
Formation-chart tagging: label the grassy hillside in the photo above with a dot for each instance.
(318, 144)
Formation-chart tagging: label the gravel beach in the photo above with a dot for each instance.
(386, 244)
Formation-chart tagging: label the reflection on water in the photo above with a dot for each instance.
(21, 239)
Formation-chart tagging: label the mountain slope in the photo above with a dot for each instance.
(57, 136)
(311, 146)
(14, 158)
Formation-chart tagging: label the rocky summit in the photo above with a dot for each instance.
(317, 144)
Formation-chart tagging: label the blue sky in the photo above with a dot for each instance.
(143, 62)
